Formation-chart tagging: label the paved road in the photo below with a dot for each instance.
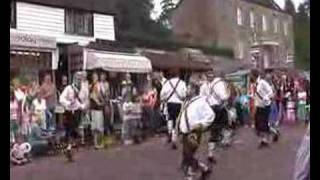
(153, 160)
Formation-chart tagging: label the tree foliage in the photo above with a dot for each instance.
(302, 36)
(289, 7)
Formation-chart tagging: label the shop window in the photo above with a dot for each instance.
(239, 16)
(78, 22)
(13, 11)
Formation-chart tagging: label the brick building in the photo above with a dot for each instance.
(258, 31)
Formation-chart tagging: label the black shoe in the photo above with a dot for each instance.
(212, 160)
(205, 174)
(263, 144)
(275, 138)
(174, 146)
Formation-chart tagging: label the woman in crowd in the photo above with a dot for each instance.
(302, 101)
(96, 107)
(149, 100)
(14, 117)
(105, 92)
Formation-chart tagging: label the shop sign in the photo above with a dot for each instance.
(33, 41)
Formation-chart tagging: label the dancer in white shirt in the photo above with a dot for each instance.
(217, 99)
(195, 118)
(173, 93)
(263, 98)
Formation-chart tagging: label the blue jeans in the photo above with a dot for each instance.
(50, 119)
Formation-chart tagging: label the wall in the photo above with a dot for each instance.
(49, 21)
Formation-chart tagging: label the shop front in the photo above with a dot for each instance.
(31, 56)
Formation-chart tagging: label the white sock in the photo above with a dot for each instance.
(211, 148)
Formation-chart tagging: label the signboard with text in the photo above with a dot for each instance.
(32, 41)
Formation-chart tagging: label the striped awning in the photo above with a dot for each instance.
(117, 62)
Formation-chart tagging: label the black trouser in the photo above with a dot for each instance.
(173, 111)
(108, 128)
(71, 124)
(190, 144)
(219, 124)
(261, 119)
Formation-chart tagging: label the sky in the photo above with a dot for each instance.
(157, 8)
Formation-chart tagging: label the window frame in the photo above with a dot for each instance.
(75, 24)
(276, 25)
(252, 19)
(264, 23)
(13, 7)
(239, 16)
(285, 28)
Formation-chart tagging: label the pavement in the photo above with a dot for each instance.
(154, 160)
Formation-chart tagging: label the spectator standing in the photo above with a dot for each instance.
(48, 91)
(96, 106)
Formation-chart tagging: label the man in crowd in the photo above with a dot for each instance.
(217, 99)
(48, 91)
(195, 117)
(263, 98)
(173, 94)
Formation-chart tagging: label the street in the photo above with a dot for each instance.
(154, 160)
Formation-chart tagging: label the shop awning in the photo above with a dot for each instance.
(117, 62)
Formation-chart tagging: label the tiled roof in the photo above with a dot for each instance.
(266, 3)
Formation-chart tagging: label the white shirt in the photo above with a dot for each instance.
(204, 89)
(264, 89)
(69, 101)
(218, 92)
(39, 106)
(84, 94)
(178, 95)
(199, 114)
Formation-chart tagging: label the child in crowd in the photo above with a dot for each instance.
(132, 112)
(20, 152)
(39, 111)
(290, 109)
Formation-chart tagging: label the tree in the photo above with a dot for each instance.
(289, 7)
(167, 7)
(302, 36)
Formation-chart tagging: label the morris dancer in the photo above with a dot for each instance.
(73, 105)
(173, 94)
(195, 117)
(217, 99)
(262, 97)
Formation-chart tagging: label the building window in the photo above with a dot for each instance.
(239, 16)
(13, 11)
(275, 25)
(78, 22)
(252, 22)
(285, 28)
(264, 23)
(240, 50)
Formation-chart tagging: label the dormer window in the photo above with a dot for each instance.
(78, 22)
